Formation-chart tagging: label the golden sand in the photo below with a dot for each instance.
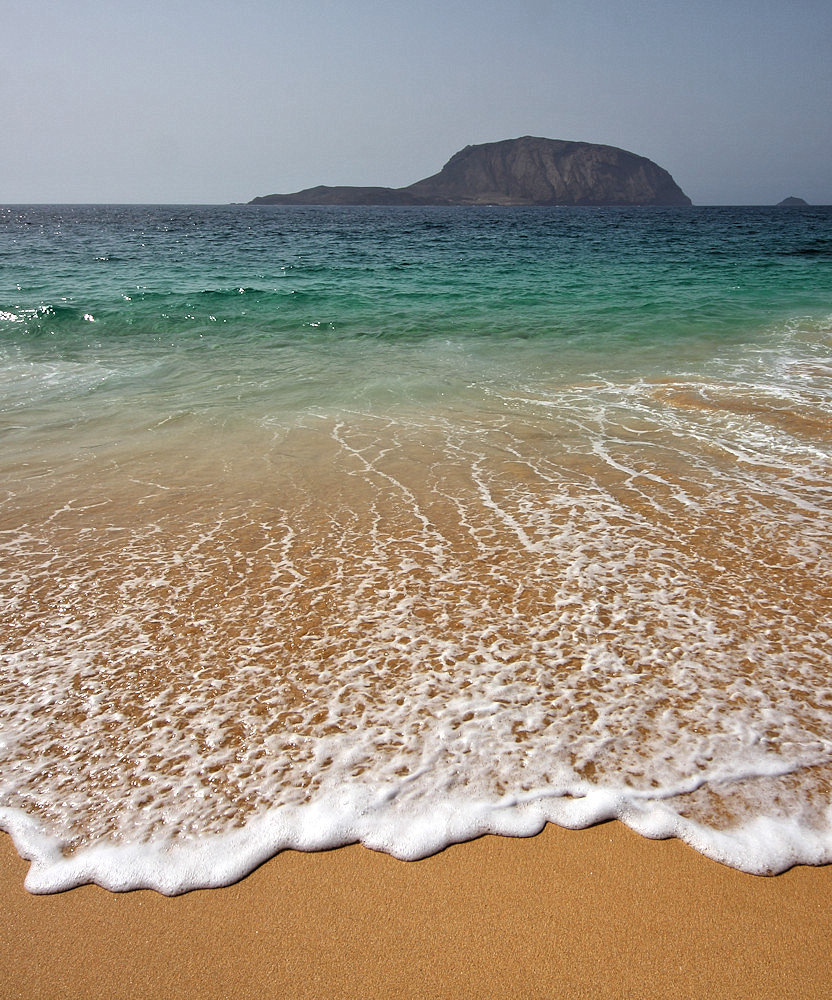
(592, 913)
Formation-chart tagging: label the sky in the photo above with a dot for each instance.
(201, 101)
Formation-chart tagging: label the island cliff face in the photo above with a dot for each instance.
(532, 171)
(526, 171)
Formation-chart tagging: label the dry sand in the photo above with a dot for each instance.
(592, 913)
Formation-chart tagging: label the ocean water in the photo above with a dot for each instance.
(400, 526)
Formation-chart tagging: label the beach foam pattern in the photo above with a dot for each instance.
(608, 599)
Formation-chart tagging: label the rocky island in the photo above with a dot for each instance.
(791, 202)
(525, 171)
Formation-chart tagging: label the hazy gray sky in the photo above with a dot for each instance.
(208, 101)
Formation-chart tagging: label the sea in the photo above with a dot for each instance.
(400, 526)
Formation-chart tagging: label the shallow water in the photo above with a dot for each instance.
(405, 525)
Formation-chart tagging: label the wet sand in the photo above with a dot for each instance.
(591, 913)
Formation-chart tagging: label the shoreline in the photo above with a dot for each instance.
(600, 912)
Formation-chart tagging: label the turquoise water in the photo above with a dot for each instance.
(290, 298)
(402, 525)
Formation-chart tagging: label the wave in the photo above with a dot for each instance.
(412, 628)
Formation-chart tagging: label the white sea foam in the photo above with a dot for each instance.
(566, 605)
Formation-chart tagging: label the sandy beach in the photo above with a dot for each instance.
(593, 913)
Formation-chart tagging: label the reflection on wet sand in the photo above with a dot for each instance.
(614, 591)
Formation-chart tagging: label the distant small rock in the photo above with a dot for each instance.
(788, 202)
